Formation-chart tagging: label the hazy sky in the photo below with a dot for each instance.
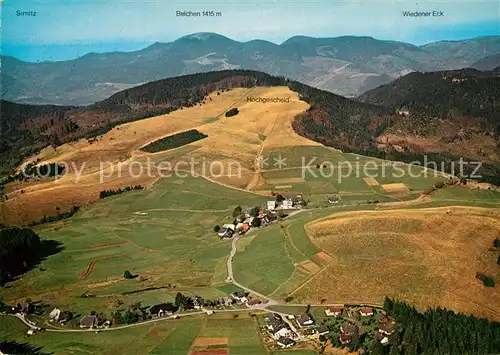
(64, 29)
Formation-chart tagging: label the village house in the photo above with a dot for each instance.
(366, 312)
(305, 321)
(65, 317)
(297, 201)
(88, 322)
(226, 232)
(253, 302)
(345, 338)
(274, 322)
(198, 303)
(240, 296)
(403, 112)
(54, 314)
(333, 311)
(285, 343)
(271, 205)
(323, 330)
(224, 301)
(333, 199)
(346, 332)
(386, 329)
(348, 328)
(25, 307)
(162, 309)
(287, 204)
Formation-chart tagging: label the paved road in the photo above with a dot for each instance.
(187, 314)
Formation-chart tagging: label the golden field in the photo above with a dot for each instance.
(427, 257)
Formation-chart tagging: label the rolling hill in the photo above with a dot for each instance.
(345, 65)
(451, 114)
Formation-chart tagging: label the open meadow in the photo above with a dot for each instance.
(163, 234)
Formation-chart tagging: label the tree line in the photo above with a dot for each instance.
(55, 218)
(111, 192)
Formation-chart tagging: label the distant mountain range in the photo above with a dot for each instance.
(347, 65)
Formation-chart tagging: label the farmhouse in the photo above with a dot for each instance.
(333, 311)
(366, 312)
(271, 205)
(285, 342)
(348, 328)
(386, 329)
(25, 307)
(305, 321)
(199, 303)
(88, 322)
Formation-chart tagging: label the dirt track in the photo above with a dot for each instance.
(91, 266)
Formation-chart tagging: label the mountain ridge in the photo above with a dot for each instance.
(346, 65)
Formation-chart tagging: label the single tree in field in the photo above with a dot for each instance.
(216, 228)
(128, 275)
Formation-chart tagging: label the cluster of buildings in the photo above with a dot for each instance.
(264, 216)
(349, 328)
(285, 203)
(280, 331)
(242, 224)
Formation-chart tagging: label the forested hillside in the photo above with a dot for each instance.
(26, 128)
(455, 113)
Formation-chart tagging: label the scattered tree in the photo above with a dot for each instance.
(216, 228)
(232, 112)
(237, 211)
(279, 198)
(128, 275)
(256, 222)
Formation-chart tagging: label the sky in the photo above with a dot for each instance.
(67, 29)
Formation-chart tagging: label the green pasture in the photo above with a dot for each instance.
(167, 337)
(168, 239)
(242, 334)
(325, 172)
